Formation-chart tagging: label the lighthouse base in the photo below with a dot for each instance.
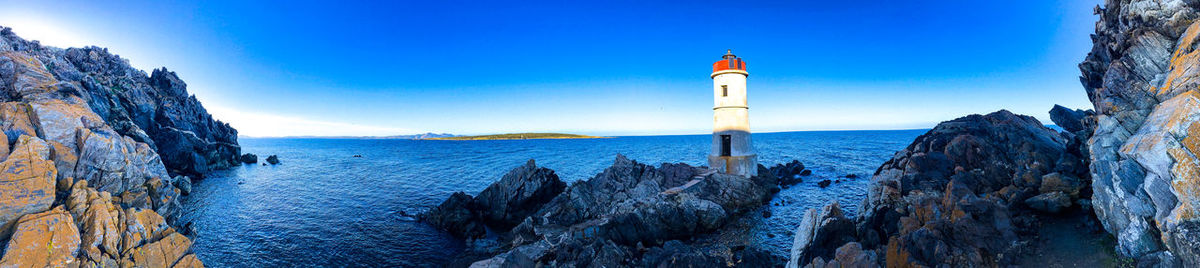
(745, 165)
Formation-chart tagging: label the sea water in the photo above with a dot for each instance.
(323, 206)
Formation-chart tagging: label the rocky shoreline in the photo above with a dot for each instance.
(96, 156)
(631, 214)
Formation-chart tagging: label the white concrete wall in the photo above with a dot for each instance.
(731, 116)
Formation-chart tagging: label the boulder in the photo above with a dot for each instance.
(820, 234)
(248, 158)
(46, 239)
(1052, 202)
(518, 194)
(183, 183)
(27, 181)
(789, 173)
(273, 159)
(824, 183)
(1057, 182)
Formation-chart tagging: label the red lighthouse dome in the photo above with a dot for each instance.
(729, 62)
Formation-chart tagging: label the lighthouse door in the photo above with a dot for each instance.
(725, 145)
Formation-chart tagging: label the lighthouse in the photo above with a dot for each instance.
(731, 150)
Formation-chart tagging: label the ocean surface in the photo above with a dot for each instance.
(324, 207)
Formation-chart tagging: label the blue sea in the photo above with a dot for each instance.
(324, 207)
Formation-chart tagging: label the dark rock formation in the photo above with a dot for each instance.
(155, 109)
(273, 159)
(455, 215)
(956, 196)
(1071, 120)
(820, 233)
(248, 158)
(824, 183)
(606, 219)
(518, 194)
(789, 173)
(1141, 78)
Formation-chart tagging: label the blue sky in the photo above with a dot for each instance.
(612, 68)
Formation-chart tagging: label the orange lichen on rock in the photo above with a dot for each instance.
(26, 181)
(1183, 64)
(47, 239)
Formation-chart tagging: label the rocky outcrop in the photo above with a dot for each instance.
(248, 158)
(81, 187)
(966, 193)
(502, 205)
(154, 111)
(1141, 77)
(273, 159)
(607, 220)
(518, 194)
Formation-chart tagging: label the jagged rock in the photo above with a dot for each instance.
(273, 159)
(824, 183)
(1070, 120)
(27, 179)
(152, 109)
(1141, 79)
(1052, 202)
(47, 239)
(600, 221)
(521, 192)
(820, 234)
(455, 215)
(249, 158)
(98, 221)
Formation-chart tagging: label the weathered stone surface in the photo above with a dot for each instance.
(819, 233)
(98, 221)
(47, 239)
(521, 192)
(184, 183)
(26, 181)
(155, 109)
(956, 196)
(604, 220)
(456, 215)
(165, 252)
(1141, 77)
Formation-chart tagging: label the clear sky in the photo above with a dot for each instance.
(617, 68)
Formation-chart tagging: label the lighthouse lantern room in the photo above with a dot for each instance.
(731, 150)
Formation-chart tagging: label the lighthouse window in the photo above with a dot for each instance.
(724, 91)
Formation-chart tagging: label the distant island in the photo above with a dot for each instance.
(520, 136)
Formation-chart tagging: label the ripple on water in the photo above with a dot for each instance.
(323, 207)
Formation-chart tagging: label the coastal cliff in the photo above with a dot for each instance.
(154, 109)
(90, 147)
(1142, 78)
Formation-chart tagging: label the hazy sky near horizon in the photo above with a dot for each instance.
(612, 68)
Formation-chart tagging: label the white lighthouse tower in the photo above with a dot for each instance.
(731, 151)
